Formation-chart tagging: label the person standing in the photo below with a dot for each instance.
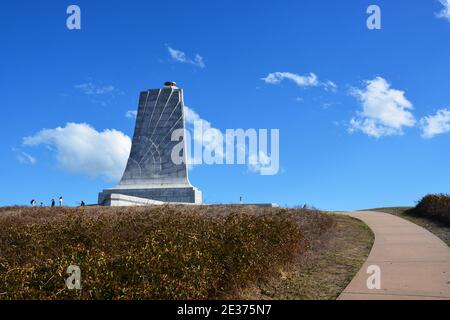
(60, 201)
(33, 202)
(53, 202)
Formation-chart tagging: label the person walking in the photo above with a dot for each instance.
(53, 202)
(33, 202)
(82, 203)
(60, 201)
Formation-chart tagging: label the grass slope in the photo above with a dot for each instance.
(327, 268)
(179, 252)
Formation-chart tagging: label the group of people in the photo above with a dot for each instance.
(53, 203)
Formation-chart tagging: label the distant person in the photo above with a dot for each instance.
(60, 201)
(33, 202)
(53, 202)
(42, 204)
(82, 203)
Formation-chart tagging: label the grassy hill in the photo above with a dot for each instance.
(178, 252)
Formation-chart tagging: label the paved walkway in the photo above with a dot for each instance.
(414, 263)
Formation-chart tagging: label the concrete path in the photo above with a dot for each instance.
(414, 263)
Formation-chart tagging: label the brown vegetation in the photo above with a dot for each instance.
(434, 207)
(170, 252)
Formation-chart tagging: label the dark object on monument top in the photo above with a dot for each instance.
(170, 84)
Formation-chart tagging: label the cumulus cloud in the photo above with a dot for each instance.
(310, 80)
(256, 164)
(215, 140)
(385, 111)
(24, 157)
(191, 117)
(436, 124)
(81, 149)
(445, 12)
(131, 114)
(207, 141)
(180, 56)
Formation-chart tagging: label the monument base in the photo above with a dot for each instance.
(149, 196)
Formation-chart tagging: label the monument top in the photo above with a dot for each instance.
(170, 84)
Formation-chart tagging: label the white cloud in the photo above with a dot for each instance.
(177, 55)
(257, 163)
(330, 86)
(209, 141)
(181, 57)
(131, 114)
(24, 157)
(310, 80)
(90, 88)
(445, 12)
(371, 127)
(81, 149)
(436, 124)
(198, 61)
(192, 117)
(385, 111)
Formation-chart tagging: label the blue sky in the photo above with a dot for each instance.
(379, 138)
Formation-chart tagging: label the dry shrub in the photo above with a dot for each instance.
(435, 207)
(170, 252)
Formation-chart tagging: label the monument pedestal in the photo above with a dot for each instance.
(149, 196)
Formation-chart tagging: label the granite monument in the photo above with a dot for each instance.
(151, 176)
